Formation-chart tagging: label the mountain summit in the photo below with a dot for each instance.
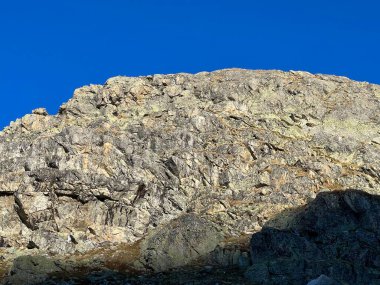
(174, 169)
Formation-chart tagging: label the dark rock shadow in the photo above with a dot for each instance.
(193, 276)
(38, 270)
(337, 234)
(187, 250)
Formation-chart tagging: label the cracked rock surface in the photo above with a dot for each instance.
(231, 147)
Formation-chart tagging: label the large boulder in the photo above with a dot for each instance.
(179, 243)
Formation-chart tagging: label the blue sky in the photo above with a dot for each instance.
(49, 48)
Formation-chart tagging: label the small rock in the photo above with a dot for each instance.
(264, 191)
(182, 241)
(322, 280)
(40, 111)
(264, 179)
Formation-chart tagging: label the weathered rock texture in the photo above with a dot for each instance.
(233, 147)
(337, 234)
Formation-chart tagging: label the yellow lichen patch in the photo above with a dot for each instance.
(350, 128)
(107, 148)
(294, 132)
(267, 93)
(345, 158)
(85, 162)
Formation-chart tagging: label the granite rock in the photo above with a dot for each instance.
(122, 160)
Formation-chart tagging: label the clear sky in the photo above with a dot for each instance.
(48, 48)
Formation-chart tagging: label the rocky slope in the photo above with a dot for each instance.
(195, 161)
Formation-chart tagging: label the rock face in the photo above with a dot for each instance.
(232, 147)
(336, 235)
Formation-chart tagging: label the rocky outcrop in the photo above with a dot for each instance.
(123, 160)
(336, 235)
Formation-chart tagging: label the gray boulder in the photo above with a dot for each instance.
(183, 241)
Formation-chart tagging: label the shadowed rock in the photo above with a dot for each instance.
(337, 234)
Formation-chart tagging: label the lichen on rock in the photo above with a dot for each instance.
(122, 160)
